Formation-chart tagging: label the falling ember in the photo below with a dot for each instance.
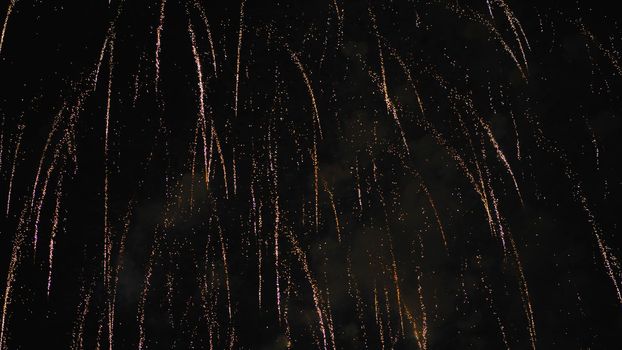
(2, 142)
(55, 223)
(332, 175)
(6, 21)
(202, 120)
(332, 204)
(159, 44)
(197, 4)
(18, 144)
(237, 60)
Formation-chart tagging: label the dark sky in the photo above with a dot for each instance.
(310, 174)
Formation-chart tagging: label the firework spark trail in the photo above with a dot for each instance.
(502, 157)
(478, 185)
(255, 217)
(526, 298)
(494, 33)
(332, 204)
(608, 261)
(411, 81)
(98, 65)
(136, 86)
(420, 334)
(580, 197)
(202, 119)
(325, 44)
(594, 141)
(212, 317)
(2, 128)
(71, 144)
(205, 298)
(6, 21)
(44, 191)
(378, 316)
(106, 163)
(227, 287)
(495, 207)
(55, 220)
(391, 251)
(491, 303)
(315, 183)
(391, 109)
(500, 154)
(16, 253)
(272, 159)
(437, 216)
(21, 128)
(484, 194)
(146, 286)
(329, 312)
(214, 285)
(391, 300)
(107, 230)
(100, 330)
(430, 199)
(203, 15)
(235, 174)
(416, 332)
(288, 291)
(518, 153)
(170, 286)
(612, 55)
(423, 337)
(387, 310)
(398, 292)
(340, 16)
(441, 140)
(159, 30)
(307, 80)
(302, 259)
(313, 151)
(222, 159)
(515, 24)
(516, 27)
(119, 267)
(358, 188)
(43, 153)
(193, 155)
(83, 308)
(355, 294)
(203, 122)
(490, 9)
(237, 61)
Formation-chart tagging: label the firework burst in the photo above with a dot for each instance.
(364, 175)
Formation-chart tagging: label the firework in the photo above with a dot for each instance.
(337, 175)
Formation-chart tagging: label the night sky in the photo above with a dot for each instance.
(403, 174)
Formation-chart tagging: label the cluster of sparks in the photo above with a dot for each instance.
(325, 214)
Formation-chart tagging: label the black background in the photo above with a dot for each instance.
(566, 115)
